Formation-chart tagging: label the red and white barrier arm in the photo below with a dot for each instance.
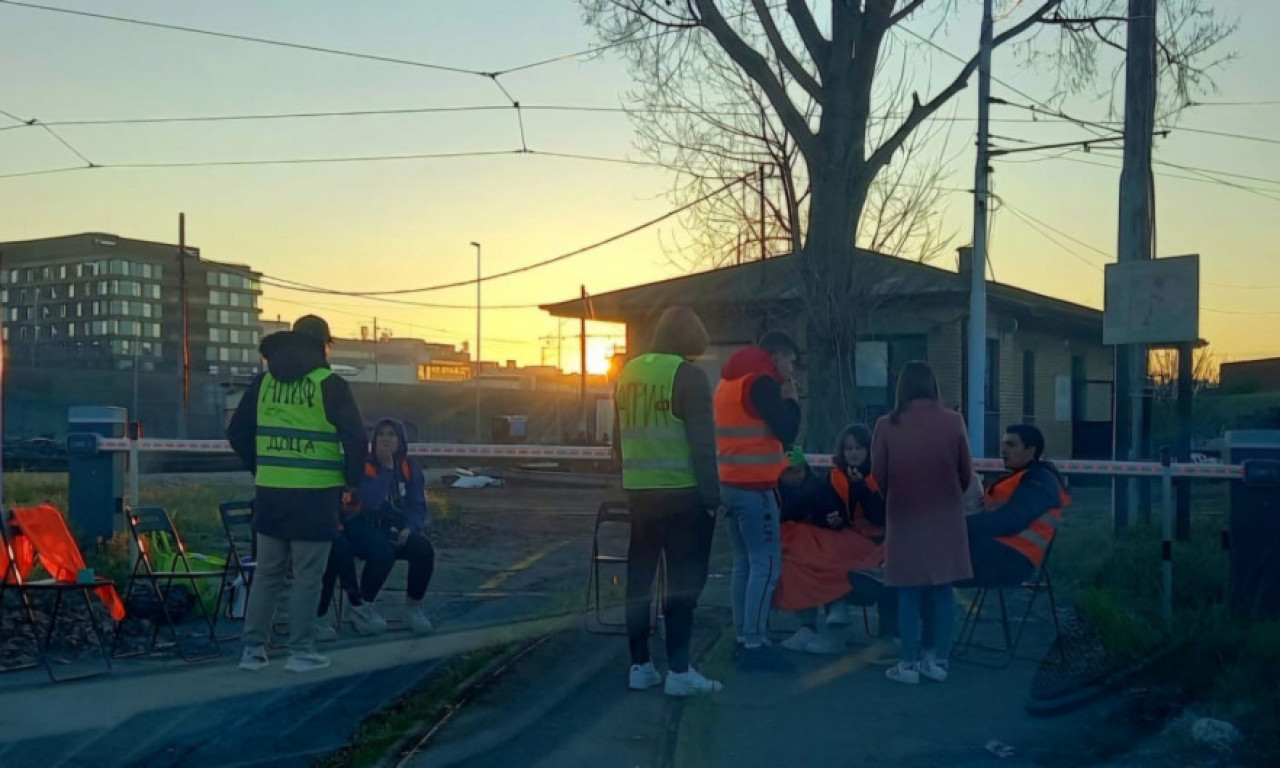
(603, 453)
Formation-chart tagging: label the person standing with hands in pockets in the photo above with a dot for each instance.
(757, 420)
(666, 433)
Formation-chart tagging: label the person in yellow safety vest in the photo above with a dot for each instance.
(298, 430)
(757, 420)
(1008, 541)
(666, 434)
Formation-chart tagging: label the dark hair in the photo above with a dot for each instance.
(915, 382)
(774, 342)
(860, 434)
(1030, 435)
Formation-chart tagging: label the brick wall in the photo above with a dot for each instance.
(945, 350)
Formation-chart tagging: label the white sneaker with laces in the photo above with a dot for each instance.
(644, 676)
(838, 615)
(418, 621)
(690, 683)
(306, 662)
(254, 658)
(800, 640)
(906, 672)
(366, 620)
(325, 632)
(935, 669)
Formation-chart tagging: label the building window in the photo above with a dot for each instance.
(218, 298)
(62, 272)
(14, 276)
(71, 291)
(46, 273)
(151, 291)
(1029, 386)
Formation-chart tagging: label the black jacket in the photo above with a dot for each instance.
(812, 501)
(1039, 492)
(305, 514)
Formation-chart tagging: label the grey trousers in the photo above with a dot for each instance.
(308, 559)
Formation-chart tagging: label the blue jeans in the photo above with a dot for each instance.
(943, 602)
(757, 558)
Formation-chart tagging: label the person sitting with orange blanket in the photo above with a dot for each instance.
(832, 527)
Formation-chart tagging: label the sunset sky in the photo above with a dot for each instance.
(397, 224)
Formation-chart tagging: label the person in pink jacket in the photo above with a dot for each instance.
(920, 459)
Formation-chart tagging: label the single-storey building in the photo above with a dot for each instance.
(1046, 361)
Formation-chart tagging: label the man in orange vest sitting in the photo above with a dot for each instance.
(757, 419)
(1008, 541)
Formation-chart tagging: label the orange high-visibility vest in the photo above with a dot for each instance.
(747, 453)
(1033, 542)
(840, 481)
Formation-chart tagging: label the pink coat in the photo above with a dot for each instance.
(923, 466)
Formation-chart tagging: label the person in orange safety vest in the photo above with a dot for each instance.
(757, 420)
(1008, 541)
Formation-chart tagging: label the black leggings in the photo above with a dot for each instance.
(379, 554)
(675, 523)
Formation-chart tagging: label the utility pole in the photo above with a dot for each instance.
(4, 310)
(184, 363)
(977, 379)
(582, 352)
(1134, 240)
(479, 359)
(377, 377)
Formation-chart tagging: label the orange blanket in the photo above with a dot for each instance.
(43, 533)
(816, 563)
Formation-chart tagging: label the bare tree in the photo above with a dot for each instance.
(1163, 372)
(819, 80)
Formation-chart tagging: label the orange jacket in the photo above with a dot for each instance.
(747, 453)
(41, 532)
(1033, 541)
(840, 481)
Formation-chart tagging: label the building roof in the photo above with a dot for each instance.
(778, 281)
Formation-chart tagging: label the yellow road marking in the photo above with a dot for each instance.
(498, 578)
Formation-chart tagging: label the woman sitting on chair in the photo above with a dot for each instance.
(390, 515)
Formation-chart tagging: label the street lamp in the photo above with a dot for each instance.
(478, 358)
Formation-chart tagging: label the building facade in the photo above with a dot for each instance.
(103, 302)
(1046, 363)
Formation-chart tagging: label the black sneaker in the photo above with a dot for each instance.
(762, 659)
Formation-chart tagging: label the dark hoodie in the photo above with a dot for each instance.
(288, 513)
(393, 494)
(762, 396)
(1039, 491)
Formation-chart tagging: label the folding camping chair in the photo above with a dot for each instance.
(242, 557)
(1037, 583)
(146, 525)
(12, 577)
(614, 512)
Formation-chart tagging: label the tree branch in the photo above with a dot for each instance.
(920, 112)
(909, 9)
(788, 59)
(757, 68)
(813, 40)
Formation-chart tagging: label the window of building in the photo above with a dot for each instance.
(71, 330)
(218, 298)
(153, 330)
(62, 310)
(119, 267)
(71, 291)
(53, 292)
(46, 273)
(62, 272)
(151, 291)
(14, 276)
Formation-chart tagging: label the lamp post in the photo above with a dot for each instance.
(478, 358)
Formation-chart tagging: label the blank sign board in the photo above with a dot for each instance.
(1152, 302)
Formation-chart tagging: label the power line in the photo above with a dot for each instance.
(396, 320)
(538, 264)
(1036, 228)
(290, 285)
(1264, 103)
(1267, 193)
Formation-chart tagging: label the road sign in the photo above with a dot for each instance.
(1152, 302)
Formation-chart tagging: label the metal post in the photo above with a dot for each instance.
(134, 468)
(1166, 529)
(764, 253)
(1186, 391)
(479, 360)
(1134, 241)
(977, 405)
(582, 352)
(4, 309)
(184, 364)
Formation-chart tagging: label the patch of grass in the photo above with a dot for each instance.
(379, 732)
(194, 508)
(25, 489)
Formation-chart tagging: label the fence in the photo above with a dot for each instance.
(1165, 470)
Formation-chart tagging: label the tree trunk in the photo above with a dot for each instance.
(830, 329)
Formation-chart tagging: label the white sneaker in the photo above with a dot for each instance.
(838, 615)
(644, 676)
(904, 672)
(366, 620)
(325, 632)
(824, 645)
(935, 669)
(254, 658)
(418, 621)
(306, 662)
(800, 640)
(690, 683)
